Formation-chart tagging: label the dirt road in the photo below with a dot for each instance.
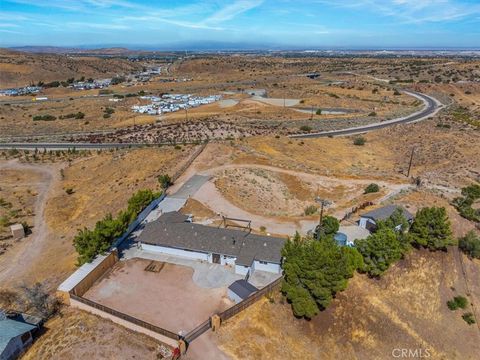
(18, 260)
(209, 195)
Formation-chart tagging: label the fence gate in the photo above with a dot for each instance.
(199, 330)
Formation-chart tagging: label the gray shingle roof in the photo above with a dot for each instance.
(385, 212)
(242, 288)
(170, 231)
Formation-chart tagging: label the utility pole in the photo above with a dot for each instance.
(411, 161)
(323, 203)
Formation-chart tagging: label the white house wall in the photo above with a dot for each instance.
(176, 252)
(227, 260)
(270, 267)
(241, 270)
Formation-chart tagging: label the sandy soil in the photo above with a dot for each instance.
(134, 291)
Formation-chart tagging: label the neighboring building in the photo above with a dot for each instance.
(347, 235)
(369, 220)
(15, 337)
(173, 234)
(240, 290)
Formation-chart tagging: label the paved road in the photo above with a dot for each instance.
(67, 146)
(432, 106)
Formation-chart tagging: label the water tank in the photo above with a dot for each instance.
(341, 239)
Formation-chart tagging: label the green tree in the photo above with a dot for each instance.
(330, 226)
(314, 271)
(470, 244)
(379, 251)
(397, 219)
(431, 229)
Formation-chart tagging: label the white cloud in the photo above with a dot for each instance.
(414, 11)
(233, 10)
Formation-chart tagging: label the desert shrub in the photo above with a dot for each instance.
(118, 80)
(4, 221)
(109, 110)
(431, 229)
(396, 93)
(372, 188)
(458, 302)
(90, 243)
(464, 203)
(46, 117)
(373, 113)
(305, 128)
(470, 244)
(319, 112)
(359, 141)
(69, 191)
(165, 180)
(310, 210)
(314, 271)
(106, 116)
(469, 318)
(263, 229)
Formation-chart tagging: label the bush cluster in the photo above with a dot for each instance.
(314, 271)
(89, 243)
(470, 194)
(470, 244)
(46, 117)
(457, 302)
(79, 115)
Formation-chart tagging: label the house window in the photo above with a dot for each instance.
(263, 262)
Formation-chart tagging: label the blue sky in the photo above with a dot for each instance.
(276, 23)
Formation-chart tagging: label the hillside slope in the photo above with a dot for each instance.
(404, 310)
(20, 69)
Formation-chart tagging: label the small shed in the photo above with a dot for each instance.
(15, 336)
(240, 290)
(18, 232)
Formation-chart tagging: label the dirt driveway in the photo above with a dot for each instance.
(210, 196)
(168, 298)
(18, 260)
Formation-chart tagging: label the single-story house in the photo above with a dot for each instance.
(240, 290)
(174, 234)
(15, 337)
(369, 220)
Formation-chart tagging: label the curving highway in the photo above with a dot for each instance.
(432, 106)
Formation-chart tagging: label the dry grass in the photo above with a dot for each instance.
(406, 309)
(78, 335)
(102, 184)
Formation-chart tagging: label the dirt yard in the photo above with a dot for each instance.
(79, 335)
(168, 298)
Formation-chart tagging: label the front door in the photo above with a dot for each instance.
(216, 258)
